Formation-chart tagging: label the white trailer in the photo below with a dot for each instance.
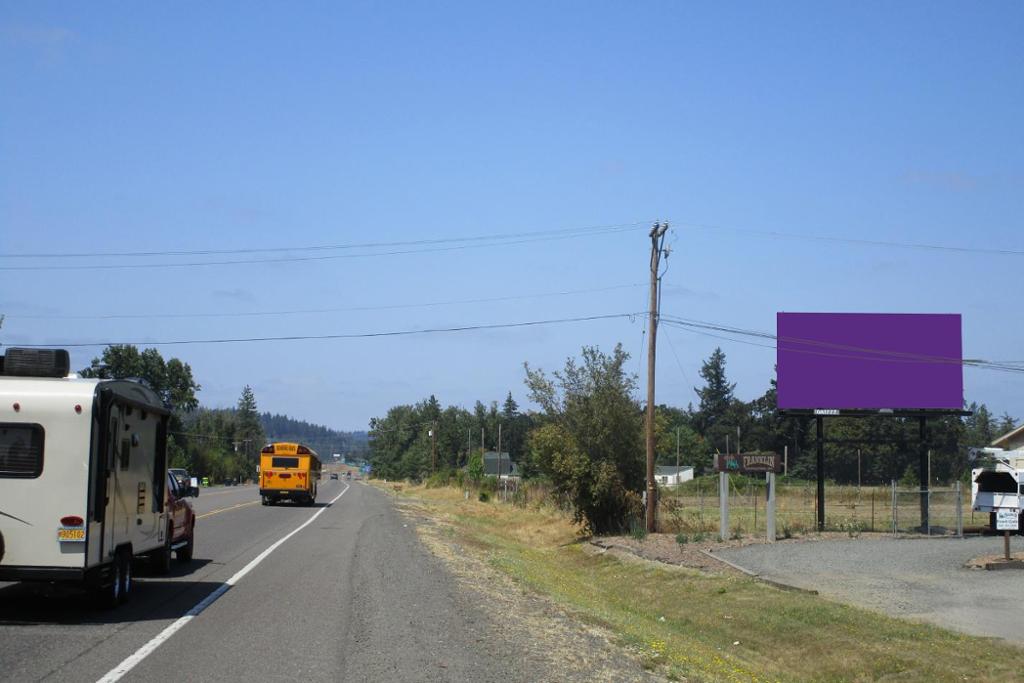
(999, 483)
(83, 474)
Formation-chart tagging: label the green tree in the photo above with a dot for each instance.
(716, 396)
(172, 379)
(249, 435)
(1006, 424)
(591, 447)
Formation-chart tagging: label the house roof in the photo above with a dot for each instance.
(1008, 437)
(669, 471)
(493, 455)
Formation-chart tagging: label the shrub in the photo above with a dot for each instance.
(592, 448)
(682, 539)
(484, 497)
(637, 528)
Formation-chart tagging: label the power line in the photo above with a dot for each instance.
(877, 354)
(858, 241)
(348, 309)
(363, 335)
(476, 244)
(327, 247)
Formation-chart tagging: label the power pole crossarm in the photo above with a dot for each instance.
(657, 236)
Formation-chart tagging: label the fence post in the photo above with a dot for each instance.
(723, 505)
(959, 511)
(770, 512)
(895, 511)
(872, 508)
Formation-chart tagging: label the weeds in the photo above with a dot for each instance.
(637, 529)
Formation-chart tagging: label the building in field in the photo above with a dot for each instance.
(499, 464)
(1011, 441)
(672, 476)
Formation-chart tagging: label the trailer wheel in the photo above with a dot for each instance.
(126, 575)
(185, 552)
(111, 587)
(160, 560)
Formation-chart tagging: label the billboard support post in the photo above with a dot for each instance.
(821, 471)
(922, 445)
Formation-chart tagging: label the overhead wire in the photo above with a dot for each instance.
(858, 241)
(465, 244)
(344, 309)
(328, 247)
(360, 335)
(842, 350)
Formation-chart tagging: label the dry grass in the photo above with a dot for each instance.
(696, 626)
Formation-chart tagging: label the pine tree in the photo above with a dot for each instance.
(717, 394)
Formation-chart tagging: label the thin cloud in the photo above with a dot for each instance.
(243, 295)
(47, 43)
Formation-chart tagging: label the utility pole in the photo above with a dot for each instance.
(499, 451)
(657, 236)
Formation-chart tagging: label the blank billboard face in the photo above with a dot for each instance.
(869, 361)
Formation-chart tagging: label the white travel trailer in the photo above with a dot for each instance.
(999, 483)
(83, 474)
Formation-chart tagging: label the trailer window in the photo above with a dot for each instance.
(21, 451)
(284, 462)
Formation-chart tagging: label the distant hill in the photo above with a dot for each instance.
(323, 440)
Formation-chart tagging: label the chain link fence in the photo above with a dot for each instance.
(693, 508)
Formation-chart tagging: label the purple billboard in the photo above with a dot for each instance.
(869, 361)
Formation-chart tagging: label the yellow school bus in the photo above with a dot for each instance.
(288, 471)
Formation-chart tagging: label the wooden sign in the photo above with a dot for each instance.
(748, 463)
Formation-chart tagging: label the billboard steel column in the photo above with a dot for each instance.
(821, 472)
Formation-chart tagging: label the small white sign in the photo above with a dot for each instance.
(1007, 520)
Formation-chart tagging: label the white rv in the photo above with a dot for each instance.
(83, 475)
(999, 483)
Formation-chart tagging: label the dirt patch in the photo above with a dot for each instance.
(667, 549)
(557, 640)
(1016, 561)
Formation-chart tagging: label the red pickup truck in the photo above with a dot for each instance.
(181, 526)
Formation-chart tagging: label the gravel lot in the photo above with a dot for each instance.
(917, 578)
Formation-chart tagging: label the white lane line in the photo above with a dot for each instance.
(133, 660)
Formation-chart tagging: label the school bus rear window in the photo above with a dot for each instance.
(284, 462)
(21, 451)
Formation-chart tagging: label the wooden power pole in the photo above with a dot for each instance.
(657, 241)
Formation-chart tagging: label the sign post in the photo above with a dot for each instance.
(746, 463)
(1007, 521)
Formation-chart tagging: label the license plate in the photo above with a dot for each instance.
(71, 535)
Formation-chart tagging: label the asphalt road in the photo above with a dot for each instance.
(351, 596)
(917, 578)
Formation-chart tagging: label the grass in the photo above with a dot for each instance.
(701, 627)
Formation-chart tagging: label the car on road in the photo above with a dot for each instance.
(182, 477)
(181, 527)
(334, 475)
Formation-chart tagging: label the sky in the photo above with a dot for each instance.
(756, 130)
